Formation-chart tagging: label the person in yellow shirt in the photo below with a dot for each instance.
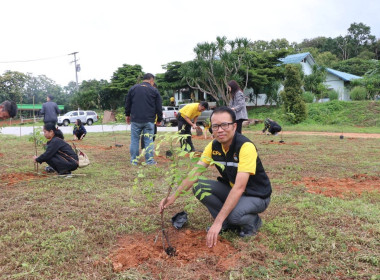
(243, 189)
(172, 101)
(187, 119)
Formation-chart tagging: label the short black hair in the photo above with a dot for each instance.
(51, 97)
(204, 104)
(148, 76)
(10, 107)
(224, 109)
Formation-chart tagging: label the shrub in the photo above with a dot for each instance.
(333, 95)
(358, 93)
(308, 97)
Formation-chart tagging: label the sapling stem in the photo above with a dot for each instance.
(170, 250)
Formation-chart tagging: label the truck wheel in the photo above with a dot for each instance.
(66, 122)
(90, 122)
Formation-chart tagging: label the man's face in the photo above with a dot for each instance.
(3, 114)
(225, 135)
(201, 108)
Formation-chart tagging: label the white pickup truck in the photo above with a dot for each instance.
(169, 115)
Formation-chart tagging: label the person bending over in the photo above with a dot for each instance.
(79, 130)
(272, 126)
(58, 155)
(187, 119)
(241, 192)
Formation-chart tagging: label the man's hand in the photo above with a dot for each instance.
(128, 119)
(158, 123)
(34, 158)
(166, 202)
(194, 126)
(212, 235)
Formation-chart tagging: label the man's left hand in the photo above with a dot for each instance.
(128, 119)
(212, 235)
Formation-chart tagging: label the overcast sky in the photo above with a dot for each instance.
(109, 33)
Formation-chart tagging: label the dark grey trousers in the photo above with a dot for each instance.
(245, 212)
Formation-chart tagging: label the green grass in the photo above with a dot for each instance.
(58, 228)
(333, 116)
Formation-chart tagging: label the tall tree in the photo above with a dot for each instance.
(122, 80)
(359, 37)
(294, 106)
(215, 64)
(12, 86)
(264, 73)
(91, 95)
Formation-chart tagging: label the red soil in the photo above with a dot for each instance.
(14, 178)
(90, 147)
(191, 251)
(344, 187)
(1, 155)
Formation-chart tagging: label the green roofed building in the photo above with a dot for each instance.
(35, 107)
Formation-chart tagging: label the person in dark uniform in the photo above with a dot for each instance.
(79, 130)
(50, 110)
(243, 189)
(59, 155)
(271, 126)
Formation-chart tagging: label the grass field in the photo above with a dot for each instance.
(322, 223)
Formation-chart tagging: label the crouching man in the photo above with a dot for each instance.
(241, 192)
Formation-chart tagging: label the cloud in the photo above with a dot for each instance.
(107, 34)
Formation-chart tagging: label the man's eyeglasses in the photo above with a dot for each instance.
(224, 126)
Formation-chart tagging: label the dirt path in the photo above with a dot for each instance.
(336, 134)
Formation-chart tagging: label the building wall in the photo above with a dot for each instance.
(337, 84)
(306, 67)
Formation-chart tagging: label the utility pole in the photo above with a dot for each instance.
(77, 67)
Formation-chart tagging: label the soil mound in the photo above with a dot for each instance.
(14, 178)
(191, 254)
(344, 187)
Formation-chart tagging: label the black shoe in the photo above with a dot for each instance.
(49, 169)
(251, 230)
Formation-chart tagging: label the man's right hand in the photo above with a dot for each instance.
(128, 119)
(166, 202)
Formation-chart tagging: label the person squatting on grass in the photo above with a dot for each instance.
(241, 192)
(272, 126)
(237, 103)
(58, 155)
(8, 109)
(143, 102)
(187, 119)
(79, 130)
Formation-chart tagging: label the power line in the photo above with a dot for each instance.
(32, 60)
